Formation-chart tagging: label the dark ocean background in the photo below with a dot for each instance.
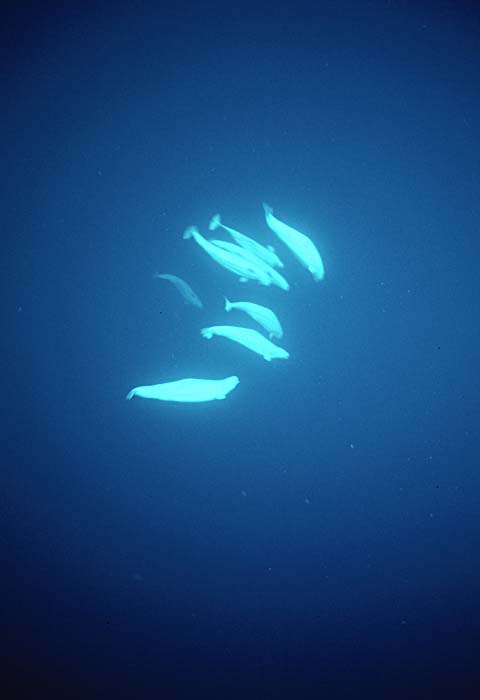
(316, 534)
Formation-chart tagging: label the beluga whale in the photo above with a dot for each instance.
(245, 268)
(265, 269)
(261, 314)
(301, 245)
(265, 253)
(183, 287)
(187, 390)
(253, 340)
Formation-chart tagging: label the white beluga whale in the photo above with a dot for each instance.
(253, 340)
(301, 245)
(265, 253)
(187, 390)
(273, 275)
(240, 265)
(237, 250)
(261, 314)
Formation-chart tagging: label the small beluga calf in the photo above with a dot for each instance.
(183, 287)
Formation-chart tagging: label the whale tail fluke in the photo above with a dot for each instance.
(130, 395)
(207, 333)
(215, 222)
(267, 209)
(228, 305)
(188, 233)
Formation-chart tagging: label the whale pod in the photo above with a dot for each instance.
(265, 269)
(243, 266)
(187, 390)
(265, 253)
(301, 245)
(261, 314)
(253, 340)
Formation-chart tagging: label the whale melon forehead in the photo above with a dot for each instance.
(232, 381)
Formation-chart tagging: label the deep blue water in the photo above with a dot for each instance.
(316, 534)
